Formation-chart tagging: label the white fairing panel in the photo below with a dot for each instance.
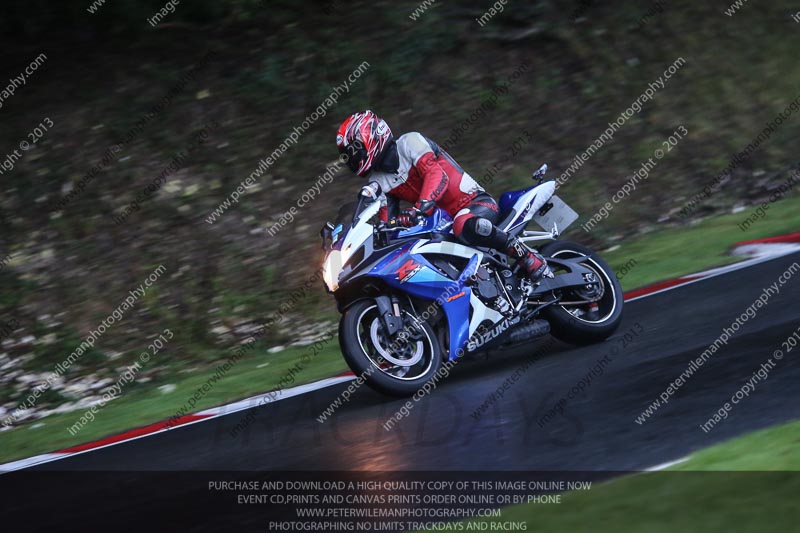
(362, 231)
(446, 248)
(529, 204)
(480, 313)
(358, 235)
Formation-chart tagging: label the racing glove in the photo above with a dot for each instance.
(408, 217)
(426, 207)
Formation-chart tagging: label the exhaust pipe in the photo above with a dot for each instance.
(527, 332)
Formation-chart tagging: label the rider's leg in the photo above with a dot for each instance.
(532, 262)
(475, 225)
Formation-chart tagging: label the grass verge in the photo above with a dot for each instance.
(674, 252)
(663, 254)
(255, 373)
(749, 483)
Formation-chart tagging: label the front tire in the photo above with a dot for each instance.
(397, 368)
(575, 324)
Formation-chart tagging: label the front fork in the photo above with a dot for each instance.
(393, 319)
(389, 309)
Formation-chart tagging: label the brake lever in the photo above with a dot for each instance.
(397, 227)
(391, 225)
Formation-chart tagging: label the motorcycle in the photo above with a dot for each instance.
(414, 298)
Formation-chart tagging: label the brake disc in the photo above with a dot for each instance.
(594, 289)
(378, 340)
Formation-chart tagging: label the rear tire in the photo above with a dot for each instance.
(570, 327)
(359, 330)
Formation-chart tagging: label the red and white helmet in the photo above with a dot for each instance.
(361, 139)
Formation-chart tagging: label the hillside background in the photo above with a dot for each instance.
(273, 63)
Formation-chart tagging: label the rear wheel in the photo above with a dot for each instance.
(576, 321)
(397, 365)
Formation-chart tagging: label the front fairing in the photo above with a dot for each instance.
(408, 270)
(351, 239)
(403, 266)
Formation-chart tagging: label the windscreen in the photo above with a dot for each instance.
(342, 222)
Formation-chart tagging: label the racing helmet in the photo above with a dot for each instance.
(361, 139)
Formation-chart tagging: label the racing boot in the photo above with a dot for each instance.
(531, 262)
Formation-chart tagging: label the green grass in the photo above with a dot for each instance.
(773, 449)
(658, 255)
(674, 252)
(746, 484)
(143, 406)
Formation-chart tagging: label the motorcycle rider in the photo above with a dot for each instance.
(415, 169)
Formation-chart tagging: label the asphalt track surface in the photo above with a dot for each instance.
(597, 431)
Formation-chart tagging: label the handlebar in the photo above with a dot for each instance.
(393, 223)
(387, 230)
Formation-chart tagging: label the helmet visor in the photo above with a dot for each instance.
(354, 154)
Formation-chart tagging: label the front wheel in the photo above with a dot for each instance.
(399, 365)
(582, 323)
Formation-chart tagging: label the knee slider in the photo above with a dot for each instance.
(479, 231)
(483, 227)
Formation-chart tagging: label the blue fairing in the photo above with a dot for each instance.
(438, 221)
(508, 199)
(413, 274)
(457, 311)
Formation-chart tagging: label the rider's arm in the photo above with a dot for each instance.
(414, 147)
(390, 207)
(434, 182)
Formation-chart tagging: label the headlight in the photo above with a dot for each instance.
(331, 270)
